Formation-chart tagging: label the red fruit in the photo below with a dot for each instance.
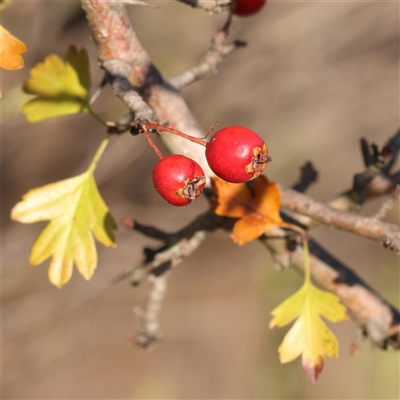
(237, 154)
(178, 179)
(247, 7)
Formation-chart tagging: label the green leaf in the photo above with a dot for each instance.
(76, 212)
(309, 336)
(61, 88)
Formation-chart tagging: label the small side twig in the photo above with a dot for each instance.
(147, 230)
(149, 331)
(208, 65)
(366, 184)
(387, 234)
(374, 161)
(176, 246)
(308, 175)
(158, 262)
(392, 146)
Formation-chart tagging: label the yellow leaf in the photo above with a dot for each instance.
(257, 208)
(11, 50)
(61, 88)
(76, 212)
(309, 336)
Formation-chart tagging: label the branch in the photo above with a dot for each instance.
(149, 316)
(176, 246)
(374, 162)
(208, 66)
(378, 319)
(117, 75)
(374, 182)
(372, 228)
(368, 184)
(121, 54)
(117, 43)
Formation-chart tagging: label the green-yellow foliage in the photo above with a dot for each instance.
(61, 88)
(76, 212)
(309, 336)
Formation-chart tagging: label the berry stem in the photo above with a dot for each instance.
(148, 125)
(211, 128)
(151, 142)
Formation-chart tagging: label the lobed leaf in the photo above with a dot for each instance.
(76, 212)
(61, 88)
(309, 336)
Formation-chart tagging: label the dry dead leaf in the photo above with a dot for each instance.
(256, 204)
(11, 50)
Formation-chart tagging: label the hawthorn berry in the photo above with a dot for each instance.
(237, 154)
(247, 7)
(178, 179)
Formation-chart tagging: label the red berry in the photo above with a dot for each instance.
(247, 7)
(178, 179)
(237, 154)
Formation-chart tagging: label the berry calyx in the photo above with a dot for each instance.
(247, 7)
(178, 179)
(237, 154)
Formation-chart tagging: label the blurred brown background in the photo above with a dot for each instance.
(315, 77)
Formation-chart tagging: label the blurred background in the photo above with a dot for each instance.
(314, 79)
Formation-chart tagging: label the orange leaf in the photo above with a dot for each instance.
(10, 50)
(256, 203)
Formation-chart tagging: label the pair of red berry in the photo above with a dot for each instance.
(235, 154)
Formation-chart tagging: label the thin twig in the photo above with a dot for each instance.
(392, 146)
(374, 162)
(387, 234)
(367, 183)
(308, 176)
(149, 331)
(208, 65)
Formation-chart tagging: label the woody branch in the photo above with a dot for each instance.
(122, 55)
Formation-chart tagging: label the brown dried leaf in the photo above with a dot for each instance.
(256, 203)
(11, 49)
